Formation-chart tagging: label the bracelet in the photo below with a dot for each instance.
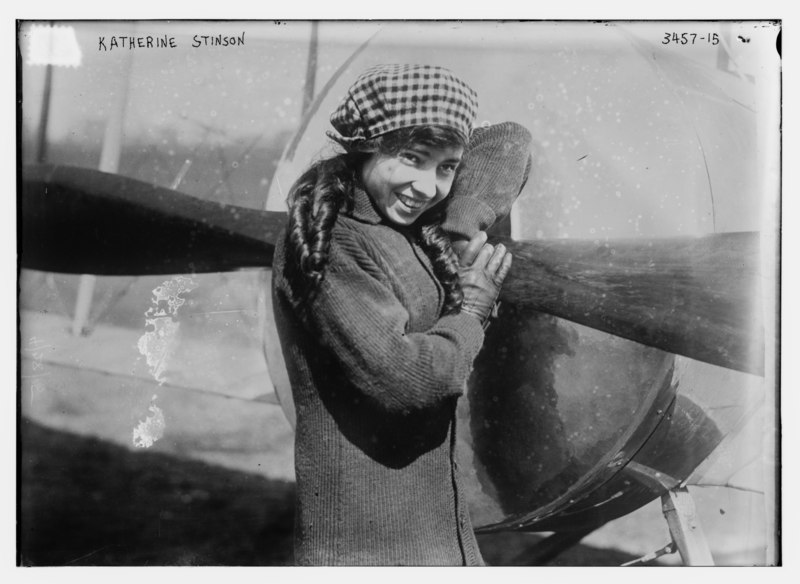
(493, 314)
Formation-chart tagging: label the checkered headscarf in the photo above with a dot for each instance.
(389, 97)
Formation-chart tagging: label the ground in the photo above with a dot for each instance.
(86, 502)
(218, 487)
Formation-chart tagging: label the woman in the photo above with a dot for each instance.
(379, 323)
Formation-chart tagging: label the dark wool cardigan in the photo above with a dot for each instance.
(375, 374)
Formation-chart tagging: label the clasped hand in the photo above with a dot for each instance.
(483, 269)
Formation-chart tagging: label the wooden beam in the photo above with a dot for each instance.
(684, 526)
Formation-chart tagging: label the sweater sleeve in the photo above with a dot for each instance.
(359, 319)
(491, 175)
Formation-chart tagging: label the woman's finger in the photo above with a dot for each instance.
(496, 259)
(475, 245)
(484, 256)
(502, 271)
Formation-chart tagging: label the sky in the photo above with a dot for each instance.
(627, 145)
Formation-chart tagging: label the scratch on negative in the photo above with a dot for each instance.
(708, 177)
(83, 557)
(151, 430)
(158, 346)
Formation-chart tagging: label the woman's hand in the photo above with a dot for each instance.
(483, 269)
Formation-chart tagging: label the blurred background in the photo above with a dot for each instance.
(160, 441)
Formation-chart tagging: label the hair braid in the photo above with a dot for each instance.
(437, 246)
(315, 200)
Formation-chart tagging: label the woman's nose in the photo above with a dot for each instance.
(425, 183)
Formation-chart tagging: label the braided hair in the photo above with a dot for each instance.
(327, 187)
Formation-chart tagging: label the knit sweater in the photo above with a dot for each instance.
(375, 373)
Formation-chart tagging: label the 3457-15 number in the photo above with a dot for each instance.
(689, 38)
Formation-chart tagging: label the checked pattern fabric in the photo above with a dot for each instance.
(389, 97)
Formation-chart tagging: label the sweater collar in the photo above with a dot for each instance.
(363, 208)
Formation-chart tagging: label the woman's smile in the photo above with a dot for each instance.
(405, 185)
(410, 202)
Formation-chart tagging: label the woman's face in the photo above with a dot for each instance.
(405, 185)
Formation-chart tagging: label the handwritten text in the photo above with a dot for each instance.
(117, 42)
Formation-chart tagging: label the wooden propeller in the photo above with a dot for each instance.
(697, 297)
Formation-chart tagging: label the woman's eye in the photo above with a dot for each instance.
(448, 168)
(410, 157)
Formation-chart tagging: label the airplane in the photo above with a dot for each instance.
(598, 390)
(649, 447)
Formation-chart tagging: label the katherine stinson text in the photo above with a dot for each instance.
(117, 42)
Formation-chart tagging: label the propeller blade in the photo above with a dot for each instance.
(696, 297)
(84, 221)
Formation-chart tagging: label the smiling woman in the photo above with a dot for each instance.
(407, 184)
(380, 320)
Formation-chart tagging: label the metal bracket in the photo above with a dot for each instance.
(667, 549)
(684, 526)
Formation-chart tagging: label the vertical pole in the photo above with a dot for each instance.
(109, 162)
(112, 138)
(44, 118)
(684, 526)
(311, 67)
(83, 303)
